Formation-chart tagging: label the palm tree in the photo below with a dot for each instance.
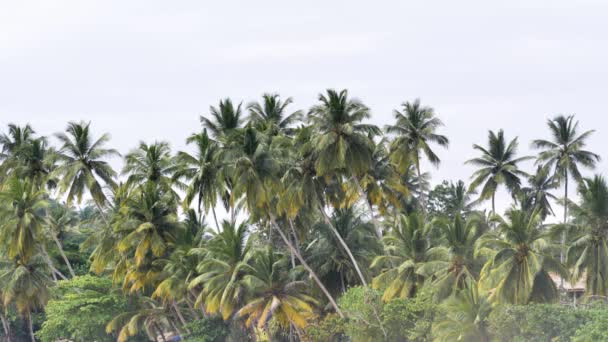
(328, 256)
(465, 317)
(147, 315)
(518, 273)
(270, 115)
(565, 154)
(203, 171)
(222, 269)
(588, 252)
(538, 194)
(82, 164)
(498, 165)
(16, 138)
(459, 269)
(225, 119)
(25, 284)
(22, 218)
(407, 249)
(59, 219)
(415, 128)
(274, 293)
(150, 163)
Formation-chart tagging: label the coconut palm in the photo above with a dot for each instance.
(460, 268)
(330, 259)
(407, 249)
(147, 315)
(25, 284)
(21, 218)
(150, 163)
(497, 165)
(464, 317)
(274, 293)
(270, 115)
(415, 129)
(82, 166)
(16, 138)
(518, 272)
(222, 269)
(225, 119)
(588, 252)
(203, 172)
(59, 220)
(538, 192)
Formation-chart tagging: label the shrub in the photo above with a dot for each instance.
(208, 329)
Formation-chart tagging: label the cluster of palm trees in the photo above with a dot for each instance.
(315, 203)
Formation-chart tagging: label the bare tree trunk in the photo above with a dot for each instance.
(344, 245)
(180, 316)
(217, 226)
(306, 266)
(160, 331)
(369, 207)
(6, 326)
(421, 185)
(562, 254)
(65, 258)
(50, 263)
(30, 325)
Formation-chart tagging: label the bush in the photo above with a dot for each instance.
(328, 329)
(596, 329)
(409, 319)
(208, 329)
(537, 322)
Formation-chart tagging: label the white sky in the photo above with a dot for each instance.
(146, 70)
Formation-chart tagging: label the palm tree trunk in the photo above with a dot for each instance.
(296, 243)
(192, 309)
(422, 199)
(160, 331)
(312, 273)
(30, 325)
(344, 245)
(562, 254)
(217, 226)
(101, 213)
(369, 207)
(65, 258)
(49, 262)
(180, 316)
(6, 326)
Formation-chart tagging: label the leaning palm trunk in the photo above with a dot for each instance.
(30, 325)
(344, 245)
(65, 258)
(6, 326)
(47, 258)
(562, 254)
(180, 316)
(318, 281)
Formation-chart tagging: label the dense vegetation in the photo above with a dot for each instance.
(331, 232)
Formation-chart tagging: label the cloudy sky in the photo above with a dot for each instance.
(146, 70)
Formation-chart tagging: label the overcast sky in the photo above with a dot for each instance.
(146, 70)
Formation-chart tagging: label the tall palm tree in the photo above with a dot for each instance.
(415, 128)
(203, 172)
(25, 284)
(497, 165)
(82, 166)
(588, 252)
(274, 293)
(150, 163)
(224, 120)
(270, 115)
(518, 273)
(538, 192)
(222, 269)
(16, 138)
(565, 153)
(407, 249)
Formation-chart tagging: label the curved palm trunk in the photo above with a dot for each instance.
(217, 226)
(101, 212)
(422, 198)
(30, 325)
(180, 316)
(312, 273)
(65, 258)
(562, 254)
(47, 258)
(6, 326)
(160, 332)
(344, 245)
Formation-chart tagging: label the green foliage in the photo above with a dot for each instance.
(212, 329)
(410, 319)
(362, 307)
(81, 309)
(328, 329)
(537, 322)
(596, 329)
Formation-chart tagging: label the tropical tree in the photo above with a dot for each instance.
(17, 138)
(518, 272)
(464, 317)
(274, 293)
(588, 251)
(270, 115)
(224, 120)
(59, 220)
(497, 165)
(25, 285)
(222, 269)
(82, 166)
(150, 163)
(415, 129)
(538, 192)
(407, 249)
